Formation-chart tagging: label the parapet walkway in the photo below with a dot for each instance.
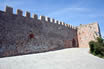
(72, 58)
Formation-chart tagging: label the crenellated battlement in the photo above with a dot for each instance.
(19, 12)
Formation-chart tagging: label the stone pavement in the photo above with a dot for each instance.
(72, 58)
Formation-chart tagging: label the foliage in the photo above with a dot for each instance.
(97, 47)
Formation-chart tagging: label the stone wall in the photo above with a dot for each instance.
(87, 33)
(25, 34)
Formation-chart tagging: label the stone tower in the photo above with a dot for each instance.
(87, 33)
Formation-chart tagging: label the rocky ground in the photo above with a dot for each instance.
(72, 58)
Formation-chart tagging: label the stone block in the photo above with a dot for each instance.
(9, 10)
(19, 12)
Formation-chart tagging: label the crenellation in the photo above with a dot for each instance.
(48, 19)
(63, 23)
(71, 26)
(74, 27)
(53, 20)
(68, 25)
(35, 16)
(57, 21)
(60, 23)
(27, 14)
(9, 10)
(19, 12)
(42, 18)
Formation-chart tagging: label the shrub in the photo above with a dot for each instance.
(91, 44)
(97, 47)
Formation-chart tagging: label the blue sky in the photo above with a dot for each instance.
(73, 12)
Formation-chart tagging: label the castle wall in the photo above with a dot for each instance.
(25, 34)
(86, 33)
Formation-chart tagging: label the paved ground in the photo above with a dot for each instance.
(73, 58)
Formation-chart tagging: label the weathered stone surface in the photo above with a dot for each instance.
(15, 34)
(23, 35)
(87, 33)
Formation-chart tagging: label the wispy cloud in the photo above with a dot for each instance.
(88, 12)
(96, 15)
(68, 11)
